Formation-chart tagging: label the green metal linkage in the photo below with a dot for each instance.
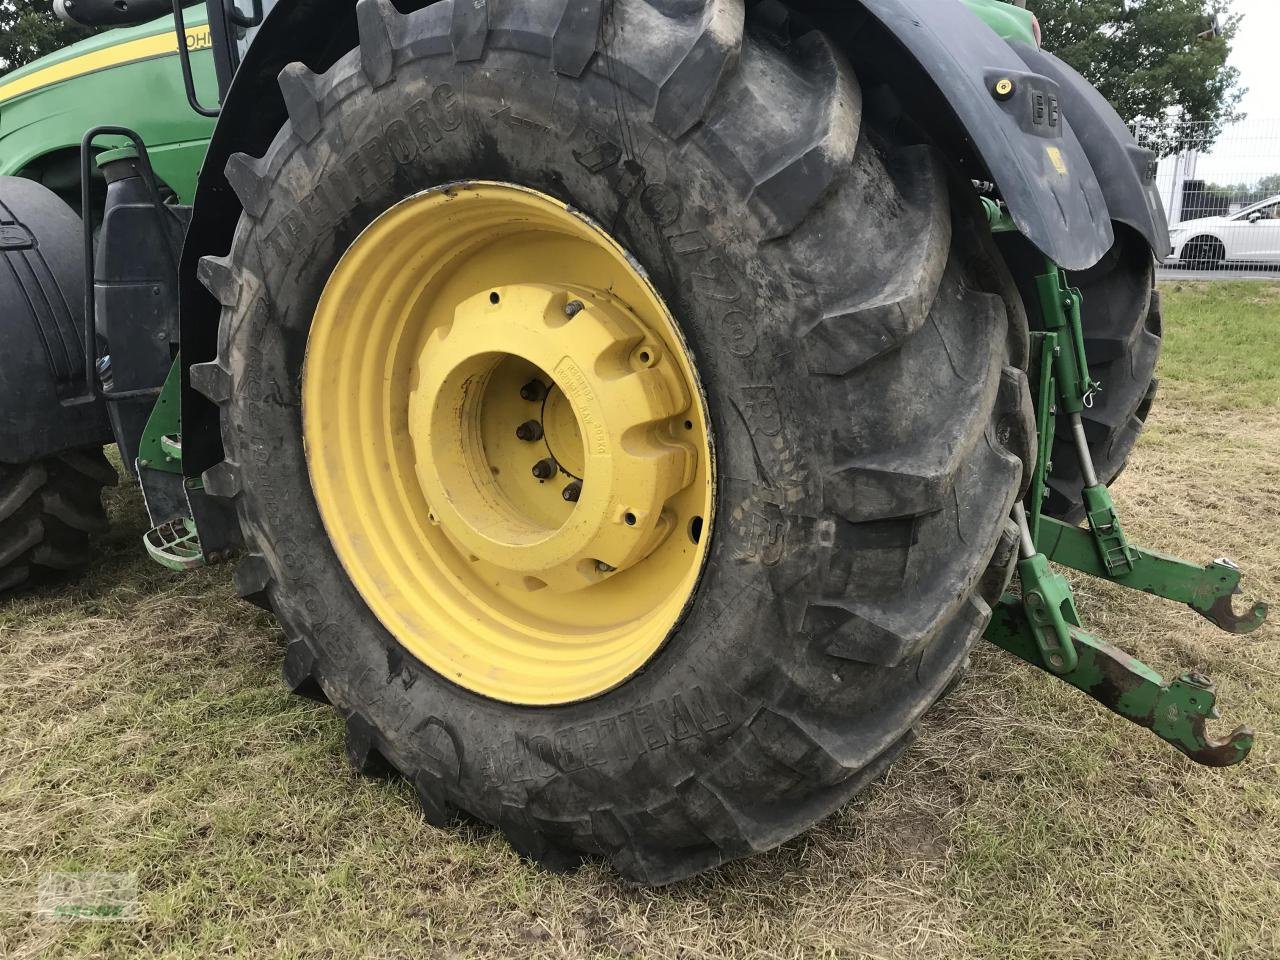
(1043, 626)
(1050, 609)
(998, 216)
(1114, 549)
(1060, 304)
(161, 445)
(1074, 389)
(1207, 590)
(1176, 712)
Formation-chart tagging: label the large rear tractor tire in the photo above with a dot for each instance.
(49, 509)
(625, 438)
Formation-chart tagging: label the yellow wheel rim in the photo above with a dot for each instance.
(507, 443)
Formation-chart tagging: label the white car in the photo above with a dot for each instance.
(1250, 236)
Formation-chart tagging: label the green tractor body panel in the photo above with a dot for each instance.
(1014, 24)
(129, 77)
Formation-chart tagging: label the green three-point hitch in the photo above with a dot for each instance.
(1042, 625)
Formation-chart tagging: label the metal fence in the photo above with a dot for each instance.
(1221, 191)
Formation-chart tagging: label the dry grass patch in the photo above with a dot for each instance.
(147, 731)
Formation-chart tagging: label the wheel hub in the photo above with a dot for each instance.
(601, 400)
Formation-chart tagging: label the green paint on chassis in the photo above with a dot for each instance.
(40, 129)
(1013, 24)
(161, 444)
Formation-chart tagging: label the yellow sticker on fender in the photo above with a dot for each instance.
(1057, 159)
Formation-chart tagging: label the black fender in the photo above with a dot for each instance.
(43, 408)
(1023, 138)
(1126, 171)
(1022, 143)
(317, 33)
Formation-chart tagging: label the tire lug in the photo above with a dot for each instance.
(529, 431)
(572, 492)
(534, 391)
(545, 469)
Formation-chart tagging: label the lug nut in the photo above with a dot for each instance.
(572, 492)
(544, 469)
(529, 431)
(573, 308)
(534, 391)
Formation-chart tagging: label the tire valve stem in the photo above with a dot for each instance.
(603, 567)
(529, 431)
(544, 469)
(573, 308)
(534, 391)
(572, 492)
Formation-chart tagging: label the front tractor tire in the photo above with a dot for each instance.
(779, 337)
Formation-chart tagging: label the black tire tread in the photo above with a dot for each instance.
(943, 312)
(49, 510)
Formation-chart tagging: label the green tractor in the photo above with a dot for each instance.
(632, 411)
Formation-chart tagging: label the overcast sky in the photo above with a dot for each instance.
(1257, 56)
(1251, 149)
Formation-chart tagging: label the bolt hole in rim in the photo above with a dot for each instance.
(695, 530)
(484, 307)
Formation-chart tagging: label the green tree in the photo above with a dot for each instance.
(29, 30)
(1247, 193)
(1269, 186)
(1161, 63)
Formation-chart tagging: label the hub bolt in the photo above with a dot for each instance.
(573, 491)
(529, 431)
(544, 469)
(573, 308)
(534, 391)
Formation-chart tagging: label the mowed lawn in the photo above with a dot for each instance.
(146, 731)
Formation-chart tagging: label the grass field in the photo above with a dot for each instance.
(147, 731)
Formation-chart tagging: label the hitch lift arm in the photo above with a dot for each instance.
(1176, 712)
(1207, 590)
